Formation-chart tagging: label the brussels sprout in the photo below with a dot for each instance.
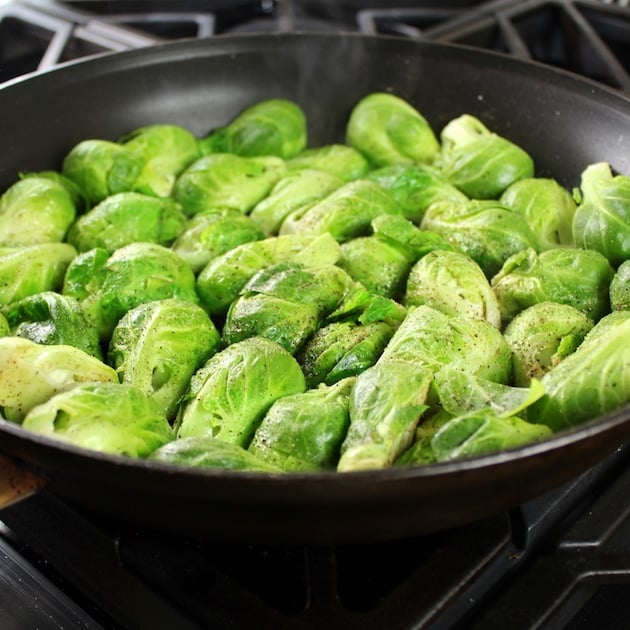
(386, 403)
(484, 230)
(453, 283)
(590, 382)
(339, 160)
(420, 453)
(602, 218)
(53, 319)
(286, 303)
(36, 209)
(231, 393)
(342, 349)
(541, 336)
(81, 270)
(33, 269)
(32, 373)
(165, 151)
(221, 281)
(295, 190)
(481, 432)
(415, 188)
(212, 233)
(5, 330)
(577, 277)
(345, 213)
(125, 218)
(101, 168)
(223, 180)
(430, 338)
(157, 347)
(271, 127)
(620, 288)
(106, 417)
(479, 162)
(388, 130)
(304, 431)
(547, 207)
(133, 275)
(207, 452)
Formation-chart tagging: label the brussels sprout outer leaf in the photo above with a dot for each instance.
(230, 394)
(620, 288)
(106, 417)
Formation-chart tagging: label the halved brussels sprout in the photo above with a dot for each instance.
(32, 373)
(271, 127)
(106, 417)
(126, 218)
(479, 162)
(389, 130)
(157, 347)
(50, 318)
(230, 394)
(602, 219)
(541, 336)
(578, 277)
(338, 160)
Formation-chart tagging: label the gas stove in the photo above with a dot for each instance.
(559, 561)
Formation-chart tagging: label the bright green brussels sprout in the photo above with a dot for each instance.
(207, 452)
(620, 288)
(304, 431)
(221, 281)
(342, 349)
(53, 319)
(271, 127)
(36, 209)
(541, 336)
(5, 329)
(294, 191)
(484, 230)
(223, 180)
(100, 168)
(231, 393)
(578, 277)
(133, 275)
(106, 417)
(430, 338)
(286, 303)
(420, 453)
(592, 381)
(157, 347)
(479, 162)
(602, 218)
(32, 373)
(126, 218)
(481, 432)
(339, 160)
(81, 270)
(345, 213)
(388, 130)
(33, 269)
(415, 188)
(386, 403)
(453, 283)
(212, 233)
(548, 208)
(165, 151)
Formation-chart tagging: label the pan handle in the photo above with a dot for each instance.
(17, 482)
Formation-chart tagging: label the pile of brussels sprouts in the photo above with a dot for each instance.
(245, 301)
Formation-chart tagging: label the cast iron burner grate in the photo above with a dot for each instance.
(558, 561)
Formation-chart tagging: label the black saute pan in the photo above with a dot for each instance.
(563, 121)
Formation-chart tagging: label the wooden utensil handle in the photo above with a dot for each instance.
(17, 482)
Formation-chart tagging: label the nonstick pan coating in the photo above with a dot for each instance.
(563, 121)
